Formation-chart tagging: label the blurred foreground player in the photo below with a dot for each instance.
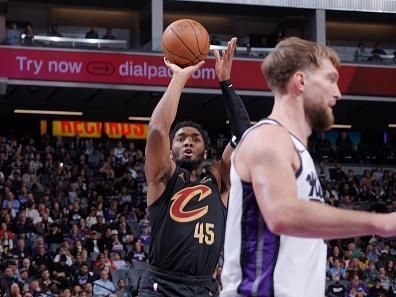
(276, 218)
(186, 203)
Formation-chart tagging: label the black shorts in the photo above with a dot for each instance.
(157, 282)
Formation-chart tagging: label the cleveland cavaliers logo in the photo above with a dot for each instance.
(181, 199)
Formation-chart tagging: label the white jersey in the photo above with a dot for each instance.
(260, 263)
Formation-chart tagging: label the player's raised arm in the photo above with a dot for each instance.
(236, 111)
(159, 166)
(270, 168)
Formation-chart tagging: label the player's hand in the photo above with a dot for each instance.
(224, 62)
(186, 71)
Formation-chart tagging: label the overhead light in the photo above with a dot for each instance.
(339, 126)
(392, 125)
(143, 119)
(251, 122)
(49, 112)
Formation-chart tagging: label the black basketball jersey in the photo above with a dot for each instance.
(188, 225)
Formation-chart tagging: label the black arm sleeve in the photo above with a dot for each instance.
(236, 112)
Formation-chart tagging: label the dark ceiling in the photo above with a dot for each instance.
(130, 4)
(208, 109)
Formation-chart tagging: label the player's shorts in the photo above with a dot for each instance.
(158, 282)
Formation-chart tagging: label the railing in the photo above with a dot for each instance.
(77, 41)
(253, 51)
(347, 54)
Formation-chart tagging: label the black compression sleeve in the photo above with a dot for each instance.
(236, 112)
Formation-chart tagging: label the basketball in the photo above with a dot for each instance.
(185, 42)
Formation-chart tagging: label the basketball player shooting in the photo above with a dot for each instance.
(187, 206)
(277, 220)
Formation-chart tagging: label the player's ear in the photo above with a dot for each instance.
(299, 80)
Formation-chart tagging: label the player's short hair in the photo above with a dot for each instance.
(191, 124)
(293, 54)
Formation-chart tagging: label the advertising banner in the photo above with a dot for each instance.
(148, 69)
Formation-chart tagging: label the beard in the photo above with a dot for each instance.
(318, 115)
(190, 164)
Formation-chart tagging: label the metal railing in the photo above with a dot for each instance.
(99, 43)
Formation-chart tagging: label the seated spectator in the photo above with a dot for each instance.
(377, 290)
(137, 254)
(116, 244)
(29, 35)
(376, 53)
(7, 280)
(53, 31)
(118, 263)
(361, 53)
(214, 40)
(337, 173)
(122, 290)
(46, 282)
(384, 279)
(344, 146)
(82, 277)
(337, 269)
(63, 273)
(322, 147)
(92, 34)
(103, 286)
(356, 285)
(336, 289)
(15, 291)
(109, 34)
(13, 36)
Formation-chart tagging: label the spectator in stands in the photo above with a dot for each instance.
(109, 34)
(63, 273)
(263, 45)
(394, 57)
(344, 146)
(24, 277)
(20, 250)
(355, 285)
(336, 289)
(82, 277)
(376, 53)
(122, 290)
(385, 280)
(361, 53)
(214, 40)
(54, 31)
(137, 254)
(377, 290)
(29, 35)
(390, 269)
(220, 144)
(337, 269)
(103, 286)
(322, 147)
(335, 255)
(46, 282)
(7, 279)
(337, 173)
(13, 36)
(92, 34)
(15, 291)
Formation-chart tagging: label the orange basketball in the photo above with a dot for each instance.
(185, 42)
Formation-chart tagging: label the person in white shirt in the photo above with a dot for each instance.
(103, 286)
